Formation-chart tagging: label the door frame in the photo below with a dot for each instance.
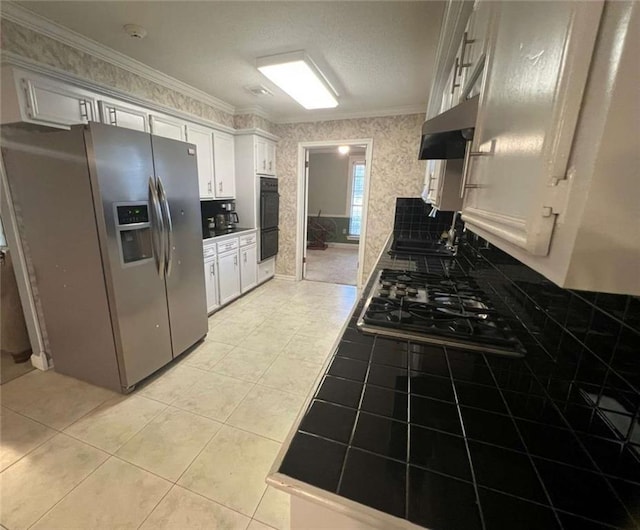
(302, 203)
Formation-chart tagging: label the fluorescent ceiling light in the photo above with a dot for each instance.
(298, 76)
(344, 149)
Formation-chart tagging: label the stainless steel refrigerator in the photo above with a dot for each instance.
(109, 219)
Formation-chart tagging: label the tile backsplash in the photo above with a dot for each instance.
(412, 219)
(591, 362)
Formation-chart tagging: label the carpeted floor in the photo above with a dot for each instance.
(333, 265)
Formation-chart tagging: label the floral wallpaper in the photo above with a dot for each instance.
(252, 121)
(45, 50)
(395, 172)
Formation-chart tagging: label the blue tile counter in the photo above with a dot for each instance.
(441, 438)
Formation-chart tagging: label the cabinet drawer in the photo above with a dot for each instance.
(229, 244)
(266, 270)
(209, 252)
(249, 239)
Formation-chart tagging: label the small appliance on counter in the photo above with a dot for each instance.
(218, 218)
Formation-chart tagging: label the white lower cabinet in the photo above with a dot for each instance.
(211, 278)
(266, 270)
(211, 284)
(248, 267)
(228, 276)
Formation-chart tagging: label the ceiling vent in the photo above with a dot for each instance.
(259, 90)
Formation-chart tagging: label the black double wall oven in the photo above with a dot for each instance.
(269, 211)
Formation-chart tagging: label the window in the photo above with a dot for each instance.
(357, 198)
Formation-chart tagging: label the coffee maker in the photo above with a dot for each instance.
(226, 218)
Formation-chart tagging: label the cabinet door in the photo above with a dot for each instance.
(537, 68)
(248, 267)
(203, 140)
(228, 277)
(167, 126)
(56, 103)
(271, 158)
(224, 166)
(211, 285)
(261, 156)
(124, 116)
(474, 47)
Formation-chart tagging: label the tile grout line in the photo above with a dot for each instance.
(69, 492)
(466, 441)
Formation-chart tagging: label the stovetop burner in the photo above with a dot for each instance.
(426, 307)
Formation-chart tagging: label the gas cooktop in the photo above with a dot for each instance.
(431, 308)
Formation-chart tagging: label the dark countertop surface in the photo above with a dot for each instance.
(235, 230)
(449, 439)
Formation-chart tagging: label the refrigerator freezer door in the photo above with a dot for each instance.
(177, 175)
(121, 162)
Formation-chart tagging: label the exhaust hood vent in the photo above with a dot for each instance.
(445, 136)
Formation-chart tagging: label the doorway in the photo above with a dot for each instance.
(333, 190)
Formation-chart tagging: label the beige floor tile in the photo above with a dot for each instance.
(294, 375)
(18, 436)
(9, 369)
(233, 331)
(169, 443)
(33, 485)
(51, 398)
(208, 354)
(116, 495)
(232, 469)
(257, 525)
(244, 364)
(267, 412)
(214, 396)
(267, 340)
(310, 349)
(172, 384)
(274, 509)
(182, 509)
(112, 424)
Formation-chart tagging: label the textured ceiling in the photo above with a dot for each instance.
(379, 55)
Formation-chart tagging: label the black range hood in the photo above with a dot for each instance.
(445, 136)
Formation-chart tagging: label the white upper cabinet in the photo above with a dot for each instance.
(536, 72)
(271, 157)
(224, 165)
(124, 115)
(442, 184)
(473, 48)
(265, 156)
(202, 137)
(167, 126)
(37, 99)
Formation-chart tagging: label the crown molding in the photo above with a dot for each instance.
(258, 132)
(39, 24)
(375, 113)
(253, 109)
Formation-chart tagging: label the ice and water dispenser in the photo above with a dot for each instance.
(134, 232)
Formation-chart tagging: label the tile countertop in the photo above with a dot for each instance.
(402, 434)
(234, 232)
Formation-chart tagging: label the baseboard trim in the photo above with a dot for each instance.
(285, 277)
(343, 245)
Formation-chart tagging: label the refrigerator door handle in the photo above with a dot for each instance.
(157, 241)
(169, 225)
